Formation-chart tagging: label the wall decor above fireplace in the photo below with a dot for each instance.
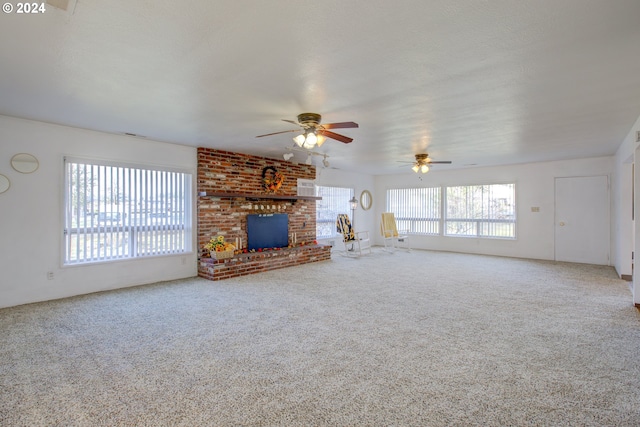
(271, 179)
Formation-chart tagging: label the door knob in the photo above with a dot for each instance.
(561, 223)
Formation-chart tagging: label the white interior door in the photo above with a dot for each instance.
(582, 220)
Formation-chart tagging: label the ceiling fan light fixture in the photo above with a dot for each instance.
(311, 140)
(299, 140)
(308, 140)
(423, 163)
(420, 167)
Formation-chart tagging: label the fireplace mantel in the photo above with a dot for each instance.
(252, 196)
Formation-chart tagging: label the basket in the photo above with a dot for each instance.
(221, 254)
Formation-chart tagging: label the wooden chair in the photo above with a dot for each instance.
(393, 238)
(355, 242)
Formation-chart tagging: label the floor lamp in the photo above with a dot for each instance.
(354, 205)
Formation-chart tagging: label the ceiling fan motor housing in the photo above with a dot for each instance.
(309, 119)
(422, 158)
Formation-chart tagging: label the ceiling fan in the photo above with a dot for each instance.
(423, 161)
(313, 133)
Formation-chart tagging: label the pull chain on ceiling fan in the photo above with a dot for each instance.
(313, 133)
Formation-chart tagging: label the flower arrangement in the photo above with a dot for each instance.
(218, 248)
(272, 179)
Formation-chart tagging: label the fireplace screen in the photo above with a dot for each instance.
(267, 231)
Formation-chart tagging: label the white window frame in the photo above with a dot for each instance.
(484, 218)
(118, 211)
(329, 207)
(485, 221)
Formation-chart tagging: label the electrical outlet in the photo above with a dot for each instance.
(184, 260)
(49, 275)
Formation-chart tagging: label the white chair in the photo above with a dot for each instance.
(393, 238)
(355, 242)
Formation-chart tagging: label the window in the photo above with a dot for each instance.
(417, 210)
(118, 212)
(481, 211)
(474, 210)
(335, 200)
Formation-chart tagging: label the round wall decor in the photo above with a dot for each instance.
(4, 183)
(24, 163)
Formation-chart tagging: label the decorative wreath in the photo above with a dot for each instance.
(271, 179)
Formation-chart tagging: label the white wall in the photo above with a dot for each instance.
(623, 188)
(364, 220)
(535, 187)
(31, 213)
(623, 226)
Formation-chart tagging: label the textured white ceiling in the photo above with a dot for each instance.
(475, 82)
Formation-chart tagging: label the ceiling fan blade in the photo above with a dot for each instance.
(335, 136)
(442, 162)
(291, 121)
(341, 125)
(276, 133)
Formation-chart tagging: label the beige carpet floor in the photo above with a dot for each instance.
(417, 339)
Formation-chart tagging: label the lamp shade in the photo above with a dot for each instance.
(312, 139)
(299, 140)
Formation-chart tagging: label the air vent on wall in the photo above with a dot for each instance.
(134, 135)
(306, 187)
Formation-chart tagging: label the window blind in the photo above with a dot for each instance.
(417, 210)
(335, 200)
(117, 212)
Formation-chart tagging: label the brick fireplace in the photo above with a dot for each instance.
(233, 186)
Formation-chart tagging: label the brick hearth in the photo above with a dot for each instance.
(249, 263)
